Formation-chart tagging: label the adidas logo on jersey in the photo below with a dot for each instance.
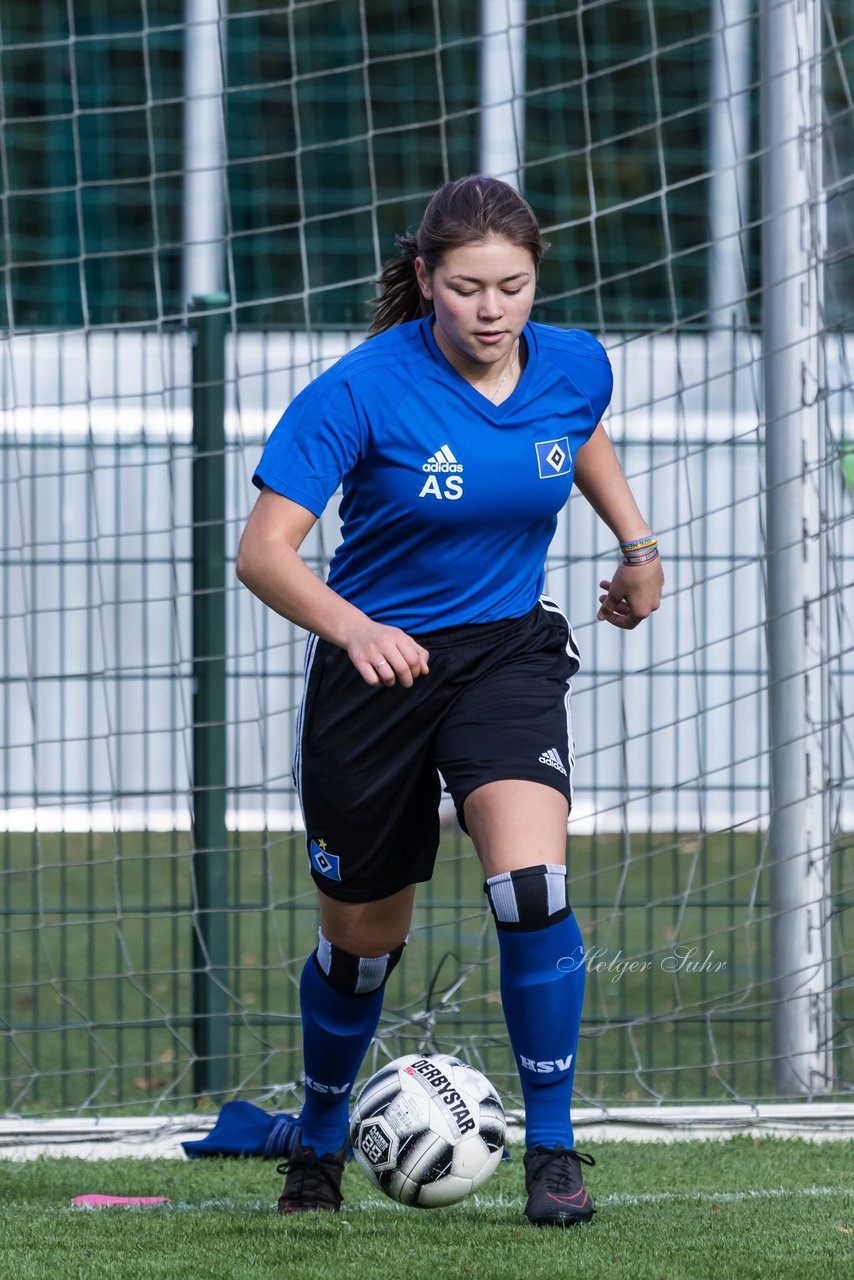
(442, 460)
(552, 758)
(441, 463)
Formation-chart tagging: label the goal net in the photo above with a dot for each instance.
(260, 159)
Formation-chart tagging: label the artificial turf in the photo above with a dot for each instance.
(731, 1210)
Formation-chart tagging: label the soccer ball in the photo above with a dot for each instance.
(428, 1129)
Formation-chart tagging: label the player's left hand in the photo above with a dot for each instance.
(632, 594)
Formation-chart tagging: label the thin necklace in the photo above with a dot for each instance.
(508, 370)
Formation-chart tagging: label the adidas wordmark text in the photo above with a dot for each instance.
(552, 758)
(442, 460)
(441, 463)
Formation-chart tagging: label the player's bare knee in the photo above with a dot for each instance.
(368, 929)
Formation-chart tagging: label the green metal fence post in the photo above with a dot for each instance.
(210, 919)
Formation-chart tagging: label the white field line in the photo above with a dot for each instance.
(627, 1198)
(615, 1201)
(719, 1197)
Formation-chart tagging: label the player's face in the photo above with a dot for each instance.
(482, 294)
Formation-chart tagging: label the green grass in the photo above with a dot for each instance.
(691, 1211)
(96, 968)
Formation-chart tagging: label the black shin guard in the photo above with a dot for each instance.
(354, 975)
(530, 898)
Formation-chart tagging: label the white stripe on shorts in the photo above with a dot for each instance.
(324, 952)
(310, 650)
(573, 652)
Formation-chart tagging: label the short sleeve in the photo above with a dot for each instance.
(317, 440)
(596, 377)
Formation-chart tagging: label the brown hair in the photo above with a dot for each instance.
(460, 213)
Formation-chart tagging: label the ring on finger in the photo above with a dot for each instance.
(382, 663)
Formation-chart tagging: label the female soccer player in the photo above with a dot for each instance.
(457, 431)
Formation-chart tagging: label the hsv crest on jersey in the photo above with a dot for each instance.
(553, 457)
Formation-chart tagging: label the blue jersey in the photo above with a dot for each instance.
(449, 501)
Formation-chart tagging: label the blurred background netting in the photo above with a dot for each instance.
(340, 118)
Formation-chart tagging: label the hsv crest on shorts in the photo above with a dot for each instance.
(323, 861)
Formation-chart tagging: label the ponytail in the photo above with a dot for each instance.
(400, 297)
(467, 211)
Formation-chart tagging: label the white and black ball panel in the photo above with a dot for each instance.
(415, 1152)
(472, 1080)
(428, 1129)
(431, 1163)
(438, 1195)
(470, 1158)
(493, 1123)
(407, 1114)
(397, 1181)
(379, 1079)
(493, 1137)
(423, 1161)
(491, 1103)
(378, 1092)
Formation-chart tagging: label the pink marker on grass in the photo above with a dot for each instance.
(109, 1202)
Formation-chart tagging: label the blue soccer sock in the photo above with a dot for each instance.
(341, 998)
(542, 991)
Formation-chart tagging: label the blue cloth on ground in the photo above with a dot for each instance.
(242, 1129)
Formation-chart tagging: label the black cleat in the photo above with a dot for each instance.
(313, 1182)
(556, 1193)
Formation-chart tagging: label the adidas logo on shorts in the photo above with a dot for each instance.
(552, 758)
(443, 461)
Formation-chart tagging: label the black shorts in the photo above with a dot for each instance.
(367, 760)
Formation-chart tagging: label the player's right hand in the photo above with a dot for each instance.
(387, 655)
